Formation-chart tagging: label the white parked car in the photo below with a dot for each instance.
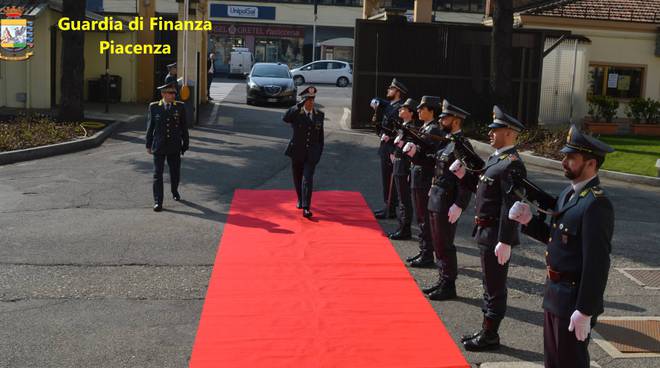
(324, 71)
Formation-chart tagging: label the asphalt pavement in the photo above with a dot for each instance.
(90, 276)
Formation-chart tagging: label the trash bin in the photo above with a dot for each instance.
(96, 89)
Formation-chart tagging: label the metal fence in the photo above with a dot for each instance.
(442, 59)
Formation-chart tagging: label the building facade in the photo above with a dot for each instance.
(614, 52)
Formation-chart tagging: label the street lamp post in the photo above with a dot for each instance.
(314, 31)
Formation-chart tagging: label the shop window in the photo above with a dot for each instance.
(616, 81)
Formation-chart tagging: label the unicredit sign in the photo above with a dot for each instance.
(243, 11)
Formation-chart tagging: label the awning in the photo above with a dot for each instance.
(338, 42)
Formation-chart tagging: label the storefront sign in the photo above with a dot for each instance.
(242, 11)
(257, 30)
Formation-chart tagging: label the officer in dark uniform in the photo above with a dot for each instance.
(401, 172)
(396, 93)
(306, 146)
(447, 199)
(579, 242)
(494, 231)
(167, 139)
(421, 174)
(171, 73)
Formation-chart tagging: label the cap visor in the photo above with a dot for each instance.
(497, 125)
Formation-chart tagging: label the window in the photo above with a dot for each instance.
(320, 66)
(472, 6)
(337, 65)
(616, 81)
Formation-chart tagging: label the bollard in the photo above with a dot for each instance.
(657, 167)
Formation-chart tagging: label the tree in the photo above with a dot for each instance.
(501, 54)
(73, 64)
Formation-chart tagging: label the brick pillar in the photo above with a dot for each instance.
(423, 12)
(145, 63)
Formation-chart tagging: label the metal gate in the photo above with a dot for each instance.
(561, 86)
(442, 59)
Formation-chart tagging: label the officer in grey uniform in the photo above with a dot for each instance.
(401, 172)
(396, 93)
(494, 231)
(421, 174)
(167, 139)
(447, 200)
(579, 242)
(306, 146)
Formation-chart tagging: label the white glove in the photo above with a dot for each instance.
(503, 253)
(385, 137)
(520, 212)
(374, 103)
(410, 149)
(454, 213)
(457, 169)
(581, 323)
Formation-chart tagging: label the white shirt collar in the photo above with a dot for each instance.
(456, 132)
(577, 187)
(307, 112)
(503, 149)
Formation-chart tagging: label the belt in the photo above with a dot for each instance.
(485, 221)
(556, 276)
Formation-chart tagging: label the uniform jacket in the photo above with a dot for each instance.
(421, 171)
(390, 116)
(167, 130)
(401, 164)
(494, 198)
(445, 186)
(579, 242)
(307, 141)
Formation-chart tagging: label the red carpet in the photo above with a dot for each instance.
(289, 292)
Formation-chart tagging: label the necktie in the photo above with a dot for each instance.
(568, 196)
(309, 115)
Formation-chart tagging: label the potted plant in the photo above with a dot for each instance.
(602, 107)
(645, 114)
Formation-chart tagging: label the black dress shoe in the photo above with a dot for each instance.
(444, 292)
(158, 207)
(485, 340)
(471, 336)
(432, 288)
(422, 262)
(401, 234)
(382, 214)
(307, 213)
(412, 258)
(176, 196)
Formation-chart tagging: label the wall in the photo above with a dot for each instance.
(15, 74)
(123, 65)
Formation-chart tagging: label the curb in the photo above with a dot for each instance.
(547, 163)
(60, 148)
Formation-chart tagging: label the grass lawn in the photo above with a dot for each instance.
(634, 154)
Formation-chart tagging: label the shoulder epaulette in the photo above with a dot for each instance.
(510, 156)
(154, 103)
(597, 191)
